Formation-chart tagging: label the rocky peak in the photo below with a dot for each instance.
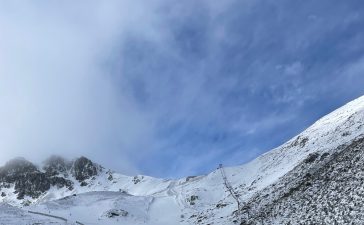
(15, 168)
(29, 181)
(56, 165)
(83, 169)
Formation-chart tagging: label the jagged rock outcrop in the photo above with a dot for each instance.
(15, 168)
(25, 177)
(28, 180)
(31, 184)
(56, 165)
(83, 169)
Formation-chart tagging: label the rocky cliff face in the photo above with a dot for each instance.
(56, 165)
(30, 181)
(83, 169)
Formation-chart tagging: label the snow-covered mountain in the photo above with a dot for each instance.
(316, 177)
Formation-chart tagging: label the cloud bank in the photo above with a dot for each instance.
(171, 88)
(57, 95)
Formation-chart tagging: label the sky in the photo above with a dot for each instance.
(172, 88)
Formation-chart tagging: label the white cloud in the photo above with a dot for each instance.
(295, 68)
(56, 97)
(64, 89)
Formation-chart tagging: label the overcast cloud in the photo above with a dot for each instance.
(172, 88)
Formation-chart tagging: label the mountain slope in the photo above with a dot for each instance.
(311, 171)
(325, 137)
(330, 192)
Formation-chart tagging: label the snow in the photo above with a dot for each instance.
(153, 201)
(10, 215)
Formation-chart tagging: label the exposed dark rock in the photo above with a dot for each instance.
(311, 158)
(26, 203)
(29, 181)
(32, 184)
(190, 178)
(110, 175)
(192, 199)
(116, 213)
(323, 156)
(83, 169)
(325, 191)
(61, 182)
(27, 178)
(221, 205)
(56, 165)
(15, 168)
(136, 179)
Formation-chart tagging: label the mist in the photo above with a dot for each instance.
(56, 93)
(171, 88)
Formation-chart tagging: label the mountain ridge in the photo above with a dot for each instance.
(261, 185)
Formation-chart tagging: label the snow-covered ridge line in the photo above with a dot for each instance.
(187, 200)
(337, 128)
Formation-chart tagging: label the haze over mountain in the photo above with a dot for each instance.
(316, 177)
(164, 112)
(172, 88)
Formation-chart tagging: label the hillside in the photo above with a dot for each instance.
(314, 178)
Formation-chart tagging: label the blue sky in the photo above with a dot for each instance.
(172, 88)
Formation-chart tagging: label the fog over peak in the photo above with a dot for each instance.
(171, 88)
(57, 97)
